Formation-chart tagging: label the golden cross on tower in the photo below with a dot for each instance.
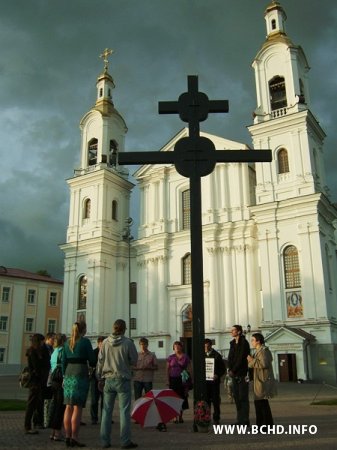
(107, 52)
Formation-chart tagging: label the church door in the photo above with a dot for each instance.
(287, 367)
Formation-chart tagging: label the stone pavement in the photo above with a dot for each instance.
(291, 407)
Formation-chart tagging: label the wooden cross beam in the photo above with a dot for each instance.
(194, 157)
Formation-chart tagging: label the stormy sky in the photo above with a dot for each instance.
(49, 62)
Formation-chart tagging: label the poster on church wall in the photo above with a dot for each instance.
(81, 316)
(294, 304)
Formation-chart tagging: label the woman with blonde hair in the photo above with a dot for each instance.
(76, 355)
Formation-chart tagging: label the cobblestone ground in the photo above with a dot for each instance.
(291, 407)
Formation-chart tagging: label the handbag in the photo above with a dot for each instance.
(187, 380)
(57, 374)
(25, 378)
(270, 388)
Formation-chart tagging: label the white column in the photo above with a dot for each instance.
(229, 291)
(152, 301)
(163, 311)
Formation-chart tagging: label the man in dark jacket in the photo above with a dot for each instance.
(238, 368)
(213, 386)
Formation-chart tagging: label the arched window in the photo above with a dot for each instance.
(101, 92)
(283, 162)
(87, 209)
(112, 152)
(292, 273)
(92, 152)
(82, 292)
(187, 317)
(114, 213)
(186, 267)
(185, 209)
(277, 91)
(273, 24)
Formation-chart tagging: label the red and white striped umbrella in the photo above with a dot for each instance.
(157, 406)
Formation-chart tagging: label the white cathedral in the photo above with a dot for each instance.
(269, 243)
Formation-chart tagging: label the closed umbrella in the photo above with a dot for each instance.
(157, 406)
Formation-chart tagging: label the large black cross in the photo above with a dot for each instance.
(195, 157)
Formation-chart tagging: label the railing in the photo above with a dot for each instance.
(279, 113)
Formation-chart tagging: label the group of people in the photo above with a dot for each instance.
(107, 369)
(115, 362)
(242, 366)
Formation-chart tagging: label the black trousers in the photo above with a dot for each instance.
(57, 408)
(96, 396)
(34, 407)
(263, 413)
(241, 398)
(213, 397)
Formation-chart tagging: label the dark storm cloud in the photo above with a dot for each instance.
(48, 68)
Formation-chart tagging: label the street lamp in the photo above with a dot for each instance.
(127, 237)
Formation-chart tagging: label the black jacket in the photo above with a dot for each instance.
(237, 357)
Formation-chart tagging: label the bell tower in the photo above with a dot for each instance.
(283, 120)
(96, 257)
(293, 214)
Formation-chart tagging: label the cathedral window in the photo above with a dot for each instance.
(292, 273)
(92, 152)
(133, 323)
(282, 160)
(133, 293)
(186, 266)
(87, 209)
(273, 24)
(82, 293)
(186, 210)
(277, 91)
(101, 92)
(114, 213)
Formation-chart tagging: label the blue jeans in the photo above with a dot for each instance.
(112, 388)
(139, 386)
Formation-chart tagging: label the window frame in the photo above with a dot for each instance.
(291, 268)
(186, 269)
(283, 161)
(51, 329)
(185, 209)
(29, 320)
(53, 294)
(31, 296)
(5, 294)
(4, 323)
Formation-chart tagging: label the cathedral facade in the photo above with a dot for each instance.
(269, 242)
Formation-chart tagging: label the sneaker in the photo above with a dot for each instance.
(130, 445)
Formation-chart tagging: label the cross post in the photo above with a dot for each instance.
(194, 157)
